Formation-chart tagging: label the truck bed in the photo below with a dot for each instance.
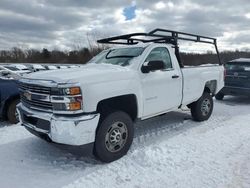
(196, 77)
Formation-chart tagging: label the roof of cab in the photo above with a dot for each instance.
(245, 60)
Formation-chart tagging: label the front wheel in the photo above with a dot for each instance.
(114, 136)
(202, 109)
(12, 113)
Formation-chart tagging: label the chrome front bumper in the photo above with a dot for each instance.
(77, 130)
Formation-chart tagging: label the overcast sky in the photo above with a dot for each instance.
(65, 24)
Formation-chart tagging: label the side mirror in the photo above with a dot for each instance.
(152, 66)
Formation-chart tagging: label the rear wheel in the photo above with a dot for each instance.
(114, 136)
(12, 113)
(202, 109)
(219, 96)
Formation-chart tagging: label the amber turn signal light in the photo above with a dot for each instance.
(74, 91)
(75, 106)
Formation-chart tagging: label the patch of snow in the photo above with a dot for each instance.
(11, 133)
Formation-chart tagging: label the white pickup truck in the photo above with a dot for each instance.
(99, 102)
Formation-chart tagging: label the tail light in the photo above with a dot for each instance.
(225, 73)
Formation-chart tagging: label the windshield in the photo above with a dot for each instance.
(238, 66)
(12, 68)
(121, 56)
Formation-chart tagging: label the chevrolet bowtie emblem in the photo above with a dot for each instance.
(27, 95)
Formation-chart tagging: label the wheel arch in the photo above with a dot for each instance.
(8, 102)
(127, 103)
(211, 86)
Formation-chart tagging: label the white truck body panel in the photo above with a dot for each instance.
(195, 78)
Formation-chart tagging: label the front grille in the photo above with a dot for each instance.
(35, 88)
(36, 104)
(36, 95)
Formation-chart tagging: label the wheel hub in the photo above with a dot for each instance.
(205, 107)
(116, 137)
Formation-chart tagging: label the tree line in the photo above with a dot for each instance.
(83, 55)
(192, 59)
(18, 55)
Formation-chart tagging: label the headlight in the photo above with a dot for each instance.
(66, 91)
(72, 91)
(67, 106)
(66, 99)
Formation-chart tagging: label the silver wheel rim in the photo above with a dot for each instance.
(17, 115)
(205, 107)
(116, 137)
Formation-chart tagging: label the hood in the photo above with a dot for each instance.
(89, 73)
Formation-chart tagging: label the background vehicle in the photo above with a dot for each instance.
(62, 67)
(50, 67)
(37, 67)
(22, 68)
(16, 68)
(237, 79)
(9, 96)
(73, 66)
(100, 101)
(9, 93)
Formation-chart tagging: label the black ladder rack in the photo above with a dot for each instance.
(161, 36)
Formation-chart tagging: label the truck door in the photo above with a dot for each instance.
(162, 89)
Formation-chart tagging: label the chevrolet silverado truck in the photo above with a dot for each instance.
(140, 78)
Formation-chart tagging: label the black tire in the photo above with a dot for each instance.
(11, 111)
(219, 96)
(199, 110)
(108, 126)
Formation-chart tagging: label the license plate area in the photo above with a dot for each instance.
(37, 122)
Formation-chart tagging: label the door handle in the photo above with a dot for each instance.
(175, 76)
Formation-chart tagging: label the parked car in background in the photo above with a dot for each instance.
(73, 66)
(17, 68)
(9, 95)
(35, 67)
(237, 78)
(21, 67)
(50, 67)
(38, 67)
(62, 67)
(4, 70)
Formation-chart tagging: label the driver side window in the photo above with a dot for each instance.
(160, 54)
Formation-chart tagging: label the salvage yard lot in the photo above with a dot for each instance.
(168, 151)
